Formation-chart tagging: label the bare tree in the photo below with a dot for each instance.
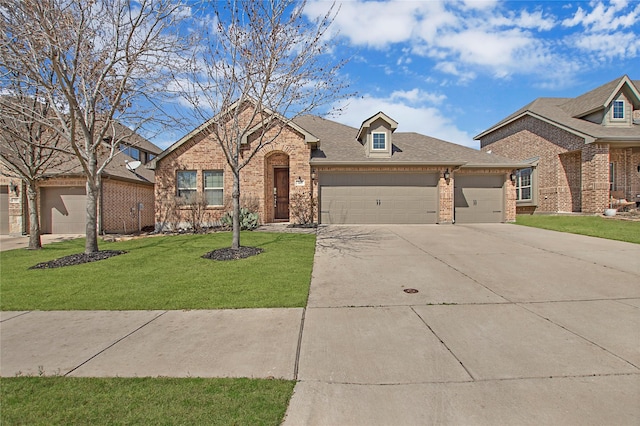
(29, 150)
(108, 59)
(261, 65)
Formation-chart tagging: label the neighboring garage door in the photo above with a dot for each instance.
(4, 209)
(362, 198)
(63, 210)
(479, 199)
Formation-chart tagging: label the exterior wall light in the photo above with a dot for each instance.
(513, 176)
(313, 174)
(446, 174)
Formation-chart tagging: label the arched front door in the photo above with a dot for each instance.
(281, 193)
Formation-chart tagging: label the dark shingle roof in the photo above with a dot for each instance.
(338, 144)
(565, 112)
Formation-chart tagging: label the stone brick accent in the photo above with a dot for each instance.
(595, 178)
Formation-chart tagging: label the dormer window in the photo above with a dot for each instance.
(379, 141)
(618, 110)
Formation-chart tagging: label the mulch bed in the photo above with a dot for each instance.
(78, 259)
(233, 254)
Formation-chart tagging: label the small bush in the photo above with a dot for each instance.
(248, 219)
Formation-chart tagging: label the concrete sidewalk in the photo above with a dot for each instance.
(215, 343)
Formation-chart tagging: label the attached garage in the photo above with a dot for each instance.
(63, 210)
(4, 209)
(385, 198)
(479, 198)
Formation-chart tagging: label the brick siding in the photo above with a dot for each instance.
(571, 176)
(256, 179)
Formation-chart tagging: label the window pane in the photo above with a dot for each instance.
(526, 193)
(379, 141)
(618, 109)
(187, 179)
(187, 194)
(213, 179)
(214, 197)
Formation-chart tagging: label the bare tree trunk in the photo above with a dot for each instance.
(235, 244)
(93, 193)
(34, 222)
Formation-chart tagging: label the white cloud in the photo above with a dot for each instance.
(609, 46)
(604, 18)
(458, 36)
(418, 96)
(426, 120)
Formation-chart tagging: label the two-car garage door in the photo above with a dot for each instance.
(364, 198)
(408, 198)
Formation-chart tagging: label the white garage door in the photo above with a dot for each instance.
(365, 198)
(63, 210)
(479, 199)
(4, 209)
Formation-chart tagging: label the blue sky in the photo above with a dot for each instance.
(451, 69)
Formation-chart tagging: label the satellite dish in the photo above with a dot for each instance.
(132, 165)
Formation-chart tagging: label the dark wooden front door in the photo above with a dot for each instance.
(281, 196)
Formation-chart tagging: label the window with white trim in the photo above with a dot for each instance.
(187, 184)
(214, 187)
(618, 110)
(523, 184)
(379, 141)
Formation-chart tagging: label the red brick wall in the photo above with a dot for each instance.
(118, 200)
(595, 178)
(120, 206)
(256, 179)
(556, 176)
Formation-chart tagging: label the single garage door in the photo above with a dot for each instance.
(4, 209)
(363, 198)
(479, 199)
(63, 210)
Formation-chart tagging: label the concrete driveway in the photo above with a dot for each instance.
(12, 242)
(509, 325)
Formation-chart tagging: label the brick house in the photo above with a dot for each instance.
(127, 200)
(368, 175)
(584, 151)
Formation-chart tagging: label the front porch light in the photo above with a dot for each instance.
(446, 174)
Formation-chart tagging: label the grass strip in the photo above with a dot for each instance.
(163, 272)
(594, 226)
(157, 401)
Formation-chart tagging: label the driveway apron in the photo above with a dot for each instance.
(474, 324)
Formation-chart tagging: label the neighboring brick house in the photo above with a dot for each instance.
(584, 151)
(126, 204)
(366, 175)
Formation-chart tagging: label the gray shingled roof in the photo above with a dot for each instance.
(338, 145)
(563, 112)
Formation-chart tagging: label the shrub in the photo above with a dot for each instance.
(301, 207)
(248, 219)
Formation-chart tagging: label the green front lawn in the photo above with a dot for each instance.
(164, 272)
(593, 226)
(158, 401)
